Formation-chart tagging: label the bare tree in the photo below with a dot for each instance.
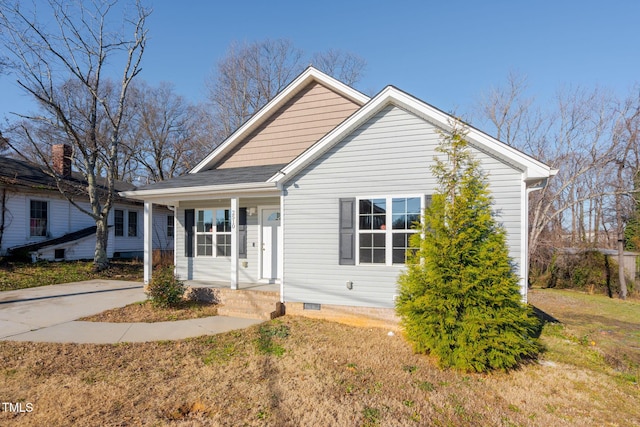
(59, 53)
(167, 135)
(576, 140)
(344, 66)
(252, 74)
(248, 77)
(626, 160)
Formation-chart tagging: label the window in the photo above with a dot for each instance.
(133, 224)
(170, 225)
(125, 220)
(406, 213)
(372, 216)
(118, 219)
(208, 235)
(223, 232)
(38, 218)
(204, 233)
(385, 227)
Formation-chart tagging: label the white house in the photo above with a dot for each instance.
(317, 192)
(36, 219)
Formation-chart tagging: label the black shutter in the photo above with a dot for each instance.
(348, 231)
(189, 223)
(242, 233)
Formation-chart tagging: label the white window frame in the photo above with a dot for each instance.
(388, 232)
(214, 233)
(136, 231)
(171, 227)
(47, 229)
(125, 223)
(115, 230)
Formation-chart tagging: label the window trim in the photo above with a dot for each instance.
(388, 231)
(47, 228)
(135, 228)
(115, 224)
(126, 216)
(214, 233)
(171, 226)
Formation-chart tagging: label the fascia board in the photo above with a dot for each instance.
(534, 169)
(309, 75)
(206, 191)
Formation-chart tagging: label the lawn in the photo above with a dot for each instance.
(20, 275)
(299, 372)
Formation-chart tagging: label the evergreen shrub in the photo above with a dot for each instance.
(459, 297)
(165, 290)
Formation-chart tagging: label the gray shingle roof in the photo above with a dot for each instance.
(230, 176)
(19, 172)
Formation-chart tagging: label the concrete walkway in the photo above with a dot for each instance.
(50, 313)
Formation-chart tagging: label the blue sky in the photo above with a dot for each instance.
(447, 53)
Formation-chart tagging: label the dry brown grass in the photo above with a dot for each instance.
(146, 312)
(297, 372)
(20, 275)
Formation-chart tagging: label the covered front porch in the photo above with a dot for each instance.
(226, 225)
(233, 242)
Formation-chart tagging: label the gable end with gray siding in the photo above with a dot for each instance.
(387, 157)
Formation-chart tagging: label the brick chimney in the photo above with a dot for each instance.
(61, 159)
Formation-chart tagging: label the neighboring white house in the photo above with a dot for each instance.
(36, 219)
(318, 190)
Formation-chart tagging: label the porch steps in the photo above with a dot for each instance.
(250, 304)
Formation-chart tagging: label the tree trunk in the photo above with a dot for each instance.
(620, 221)
(623, 280)
(100, 259)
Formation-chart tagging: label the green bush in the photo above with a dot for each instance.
(586, 270)
(459, 298)
(165, 290)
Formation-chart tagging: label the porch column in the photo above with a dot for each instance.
(235, 247)
(148, 241)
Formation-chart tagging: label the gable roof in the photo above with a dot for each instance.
(533, 169)
(14, 172)
(202, 181)
(307, 77)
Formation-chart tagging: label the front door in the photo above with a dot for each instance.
(270, 242)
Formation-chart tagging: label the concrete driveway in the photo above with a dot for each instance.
(50, 313)
(31, 309)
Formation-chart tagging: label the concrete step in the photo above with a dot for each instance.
(245, 314)
(250, 304)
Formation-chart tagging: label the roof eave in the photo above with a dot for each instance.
(534, 169)
(198, 192)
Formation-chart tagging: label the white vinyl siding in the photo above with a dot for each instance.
(389, 155)
(219, 268)
(64, 218)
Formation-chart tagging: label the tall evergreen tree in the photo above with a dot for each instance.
(459, 297)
